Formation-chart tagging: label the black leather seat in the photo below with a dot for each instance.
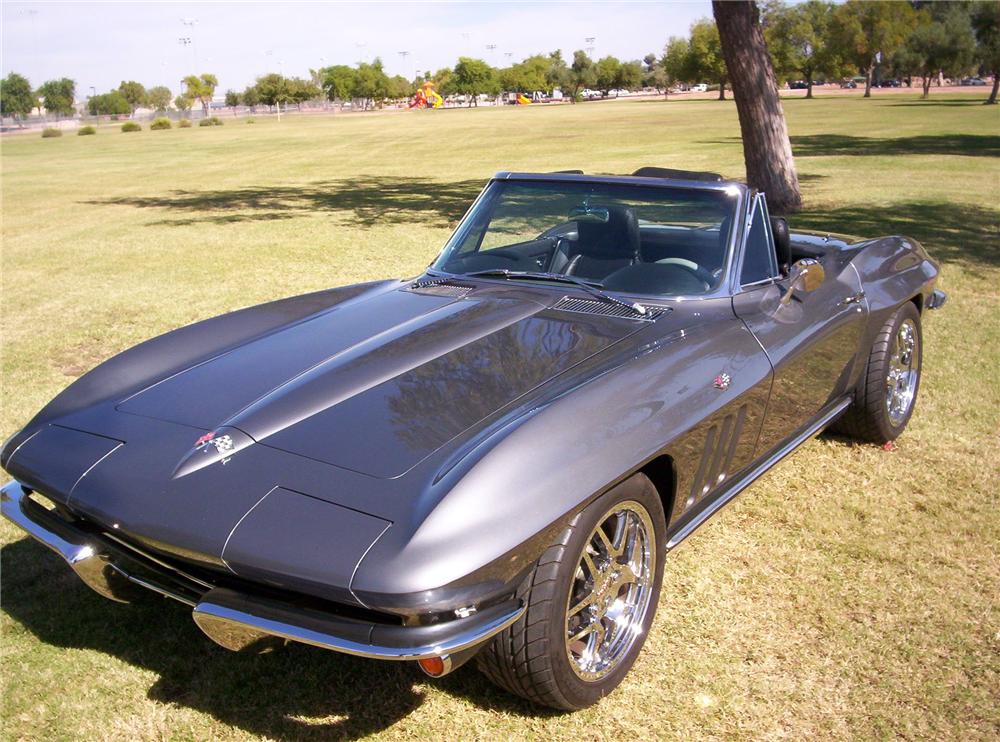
(601, 248)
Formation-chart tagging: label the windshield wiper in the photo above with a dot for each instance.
(591, 287)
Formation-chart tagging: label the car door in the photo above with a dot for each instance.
(812, 340)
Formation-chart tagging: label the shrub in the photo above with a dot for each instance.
(213, 121)
(205, 122)
(251, 121)
(47, 133)
(131, 126)
(84, 131)
(184, 124)
(161, 123)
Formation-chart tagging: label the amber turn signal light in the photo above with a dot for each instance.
(433, 666)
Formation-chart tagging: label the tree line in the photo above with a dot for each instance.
(814, 40)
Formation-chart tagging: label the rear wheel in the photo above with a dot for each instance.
(591, 598)
(887, 393)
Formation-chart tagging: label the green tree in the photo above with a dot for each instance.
(108, 104)
(232, 99)
(676, 61)
(182, 103)
(581, 73)
(372, 84)
(705, 58)
(941, 44)
(400, 88)
(474, 77)
(557, 73)
(339, 82)
(159, 97)
(629, 75)
(444, 80)
(606, 73)
(201, 88)
(58, 95)
(867, 31)
(986, 24)
(525, 76)
(300, 91)
(251, 98)
(16, 98)
(801, 42)
(135, 93)
(273, 90)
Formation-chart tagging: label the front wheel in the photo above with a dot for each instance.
(591, 598)
(887, 392)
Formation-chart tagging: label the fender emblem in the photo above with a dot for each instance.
(722, 381)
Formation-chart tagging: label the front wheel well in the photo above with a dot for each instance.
(662, 472)
(918, 300)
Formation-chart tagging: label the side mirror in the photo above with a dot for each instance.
(806, 275)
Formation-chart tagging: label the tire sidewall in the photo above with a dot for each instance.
(578, 692)
(888, 430)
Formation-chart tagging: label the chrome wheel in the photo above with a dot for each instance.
(610, 595)
(904, 370)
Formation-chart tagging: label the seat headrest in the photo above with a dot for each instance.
(782, 242)
(618, 237)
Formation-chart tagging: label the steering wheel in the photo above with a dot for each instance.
(692, 267)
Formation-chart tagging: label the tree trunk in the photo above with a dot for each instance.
(992, 100)
(869, 73)
(926, 87)
(767, 150)
(809, 88)
(722, 89)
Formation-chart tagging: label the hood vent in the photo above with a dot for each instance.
(440, 287)
(607, 309)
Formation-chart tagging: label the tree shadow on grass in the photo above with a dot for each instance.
(363, 201)
(837, 145)
(295, 693)
(952, 233)
(941, 103)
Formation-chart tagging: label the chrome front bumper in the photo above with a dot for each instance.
(238, 620)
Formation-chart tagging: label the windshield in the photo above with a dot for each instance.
(625, 238)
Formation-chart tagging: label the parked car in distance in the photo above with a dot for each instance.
(798, 85)
(974, 81)
(848, 84)
(890, 84)
(701, 87)
(490, 460)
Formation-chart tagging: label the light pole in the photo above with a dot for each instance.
(190, 23)
(590, 45)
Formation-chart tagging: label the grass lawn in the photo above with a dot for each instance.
(853, 592)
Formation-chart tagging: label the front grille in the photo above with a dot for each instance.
(607, 309)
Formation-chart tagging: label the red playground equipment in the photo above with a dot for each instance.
(427, 97)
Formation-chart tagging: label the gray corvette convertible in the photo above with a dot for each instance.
(493, 459)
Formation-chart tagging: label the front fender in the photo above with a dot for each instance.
(487, 519)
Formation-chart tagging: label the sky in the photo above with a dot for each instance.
(99, 44)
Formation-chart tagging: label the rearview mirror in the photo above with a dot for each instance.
(590, 214)
(806, 275)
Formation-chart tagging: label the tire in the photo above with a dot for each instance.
(884, 400)
(533, 658)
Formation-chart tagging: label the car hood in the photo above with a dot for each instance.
(375, 386)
